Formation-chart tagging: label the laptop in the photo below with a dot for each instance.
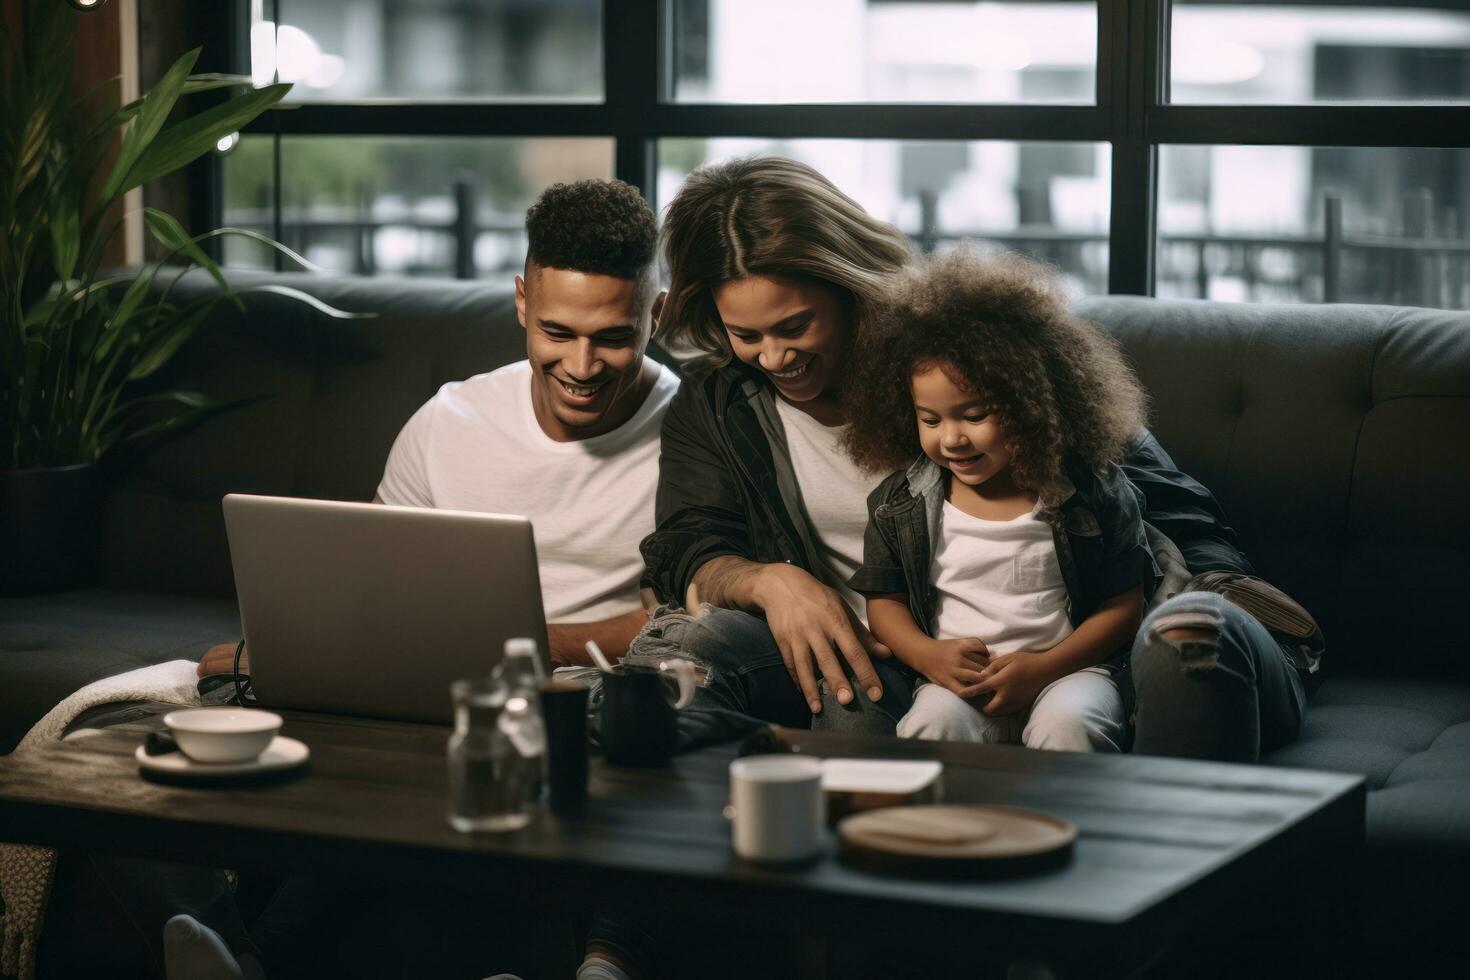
(373, 610)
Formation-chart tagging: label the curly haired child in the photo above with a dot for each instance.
(1007, 566)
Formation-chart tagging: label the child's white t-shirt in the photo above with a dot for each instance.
(1000, 582)
(476, 445)
(835, 493)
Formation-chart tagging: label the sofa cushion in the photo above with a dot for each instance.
(52, 645)
(1411, 740)
(1337, 439)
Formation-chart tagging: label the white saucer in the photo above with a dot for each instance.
(283, 753)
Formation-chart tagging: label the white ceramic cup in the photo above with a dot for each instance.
(222, 734)
(779, 810)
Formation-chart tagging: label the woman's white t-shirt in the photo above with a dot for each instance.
(476, 445)
(1000, 582)
(835, 492)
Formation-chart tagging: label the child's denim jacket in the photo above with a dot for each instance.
(1098, 530)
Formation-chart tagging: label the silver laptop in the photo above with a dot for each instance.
(372, 610)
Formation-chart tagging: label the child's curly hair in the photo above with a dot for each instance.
(997, 325)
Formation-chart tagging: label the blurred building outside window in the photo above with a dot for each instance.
(365, 205)
(1315, 224)
(1049, 200)
(1300, 54)
(823, 51)
(1281, 223)
(434, 50)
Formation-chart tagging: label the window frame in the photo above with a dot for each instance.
(1131, 114)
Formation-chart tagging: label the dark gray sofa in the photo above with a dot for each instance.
(1336, 437)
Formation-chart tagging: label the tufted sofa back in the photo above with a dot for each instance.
(330, 396)
(1336, 437)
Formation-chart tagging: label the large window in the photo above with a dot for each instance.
(1291, 54)
(1244, 151)
(1334, 224)
(346, 50)
(444, 206)
(773, 51)
(1049, 200)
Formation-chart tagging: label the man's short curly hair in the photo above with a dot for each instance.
(998, 326)
(604, 227)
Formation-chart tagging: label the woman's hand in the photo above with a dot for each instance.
(815, 631)
(1013, 680)
(957, 665)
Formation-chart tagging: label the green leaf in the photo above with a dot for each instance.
(194, 407)
(186, 141)
(212, 80)
(119, 322)
(172, 236)
(112, 335)
(34, 142)
(152, 114)
(39, 312)
(193, 85)
(268, 242)
(309, 300)
(64, 221)
(174, 335)
(102, 284)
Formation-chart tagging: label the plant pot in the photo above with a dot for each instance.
(49, 519)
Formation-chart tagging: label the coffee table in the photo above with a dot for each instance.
(1168, 849)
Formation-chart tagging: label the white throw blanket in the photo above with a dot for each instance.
(26, 871)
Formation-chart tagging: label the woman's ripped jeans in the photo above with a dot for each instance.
(1212, 683)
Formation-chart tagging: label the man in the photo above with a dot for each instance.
(568, 437)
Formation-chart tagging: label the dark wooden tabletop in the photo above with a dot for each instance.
(1161, 841)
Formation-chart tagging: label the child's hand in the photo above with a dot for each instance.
(1013, 680)
(957, 665)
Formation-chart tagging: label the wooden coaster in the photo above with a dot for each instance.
(955, 839)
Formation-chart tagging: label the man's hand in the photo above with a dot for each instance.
(957, 665)
(1013, 680)
(812, 625)
(220, 659)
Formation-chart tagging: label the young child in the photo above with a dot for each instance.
(1008, 565)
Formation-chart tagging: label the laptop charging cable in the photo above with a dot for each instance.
(243, 694)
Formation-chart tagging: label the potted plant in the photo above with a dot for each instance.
(77, 347)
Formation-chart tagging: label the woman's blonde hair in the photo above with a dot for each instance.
(766, 216)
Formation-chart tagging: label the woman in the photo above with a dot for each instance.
(758, 513)
(772, 273)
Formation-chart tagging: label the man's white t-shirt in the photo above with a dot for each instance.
(477, 446)
(1000, 582)
(835, 492)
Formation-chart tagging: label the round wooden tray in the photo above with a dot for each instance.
(959, 840)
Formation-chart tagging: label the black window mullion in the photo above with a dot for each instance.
(1138, 49)
(649, 119)
(437, 119)
(1427, 124)
(883, 121)
(632, 56)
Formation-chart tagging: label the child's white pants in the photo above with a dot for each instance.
(1082, 712)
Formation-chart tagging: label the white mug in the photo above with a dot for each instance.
(778, 808)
